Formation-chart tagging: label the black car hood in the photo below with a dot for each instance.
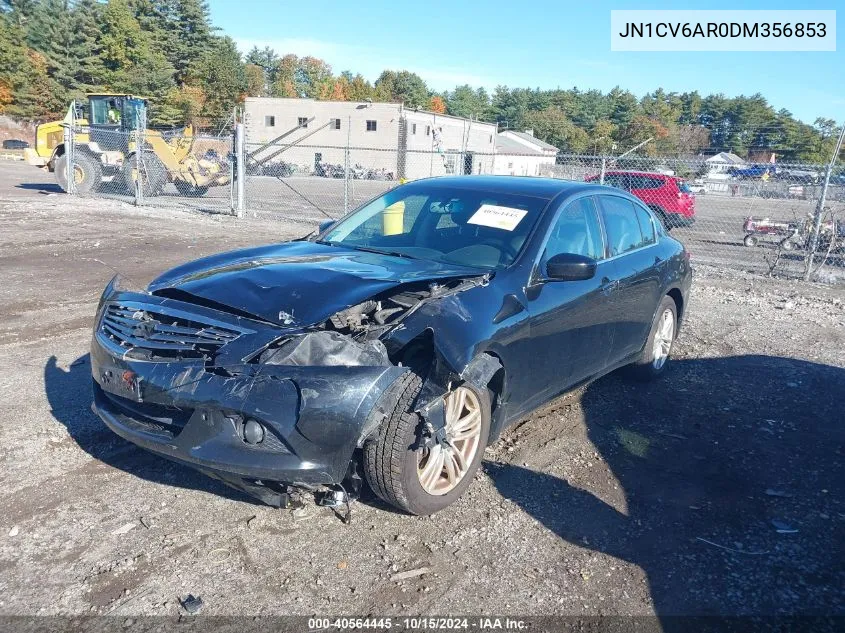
(297, 284)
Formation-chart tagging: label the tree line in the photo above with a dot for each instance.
(54, 51)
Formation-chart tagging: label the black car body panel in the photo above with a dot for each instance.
(304, 281)
(180, 368)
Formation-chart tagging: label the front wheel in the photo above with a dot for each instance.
(424, 479)
(750, 240)
(658, 346)
(149, 170)
(187, 189)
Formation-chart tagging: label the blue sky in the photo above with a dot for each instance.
(541, 43)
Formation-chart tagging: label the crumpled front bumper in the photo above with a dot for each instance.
(313, 417)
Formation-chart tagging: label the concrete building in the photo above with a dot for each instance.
(520, 154)
(380, 136)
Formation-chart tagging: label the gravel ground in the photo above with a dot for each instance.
(618, 499)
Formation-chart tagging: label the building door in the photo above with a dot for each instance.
(318, 158)
(468, 163)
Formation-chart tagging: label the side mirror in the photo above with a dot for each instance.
(325, 225)
(570, 267)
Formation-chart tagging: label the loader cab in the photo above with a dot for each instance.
(112, 117)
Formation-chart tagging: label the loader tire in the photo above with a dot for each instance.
(188, 190)
(152, 173)
(87, 173)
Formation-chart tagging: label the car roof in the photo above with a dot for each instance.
(547, 188)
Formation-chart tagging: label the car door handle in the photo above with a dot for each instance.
(608, 286)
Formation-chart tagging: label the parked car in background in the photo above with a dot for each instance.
(794, 174)
(395, 343)
(669, 197)
(15, 143)
(697, 186)
(749, 172)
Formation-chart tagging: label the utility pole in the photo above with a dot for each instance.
(819, 213)
(635, 147)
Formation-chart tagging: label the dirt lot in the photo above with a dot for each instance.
(715, 238)
(619, 499)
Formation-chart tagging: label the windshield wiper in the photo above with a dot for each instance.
(366, 249)
(380, 252)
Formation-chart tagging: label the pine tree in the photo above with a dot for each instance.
(133, 64)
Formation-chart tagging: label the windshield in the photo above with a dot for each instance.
(473, 228)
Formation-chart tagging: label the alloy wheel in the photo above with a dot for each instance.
(442, 466)
(663, 338)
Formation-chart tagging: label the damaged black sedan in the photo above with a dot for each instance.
(393, 345)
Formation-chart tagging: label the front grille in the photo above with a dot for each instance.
(153, 334)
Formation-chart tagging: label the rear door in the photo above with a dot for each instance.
(631, 241)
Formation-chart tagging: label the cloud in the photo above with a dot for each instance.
(367, 60)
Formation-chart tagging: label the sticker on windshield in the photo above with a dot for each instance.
(497, 217)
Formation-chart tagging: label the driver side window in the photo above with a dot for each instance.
(576, 231)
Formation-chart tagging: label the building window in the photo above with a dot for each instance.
(413, 128)
(491, 138)
(428, 130)
(335, 124)
(269, 121)
(302, 121)
(451, 163)
(371, 126)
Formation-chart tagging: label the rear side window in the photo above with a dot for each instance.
(646, 225)
(683, 186)
(620, 224)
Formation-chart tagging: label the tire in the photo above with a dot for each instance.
(153, 174)
(186, 189)
(390, 463)
(664, 218)
(646, 367)
(750, 241)
(88, 172)
(787, 245)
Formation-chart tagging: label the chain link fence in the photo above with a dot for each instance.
(761, 217)
(148, 167)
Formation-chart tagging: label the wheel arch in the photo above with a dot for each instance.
(678, 297)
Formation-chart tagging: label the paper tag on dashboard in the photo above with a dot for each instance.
(497, 217)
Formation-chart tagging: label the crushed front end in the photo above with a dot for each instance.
(222, 392)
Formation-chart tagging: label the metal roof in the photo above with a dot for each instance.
(531, 139)
(726, 157)
(505, 145)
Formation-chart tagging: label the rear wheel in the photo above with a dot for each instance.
(87, 172)
(658, 346)
(424, 479)
(750, 240)
(665, 219)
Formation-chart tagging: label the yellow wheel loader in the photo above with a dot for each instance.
(105, 149)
